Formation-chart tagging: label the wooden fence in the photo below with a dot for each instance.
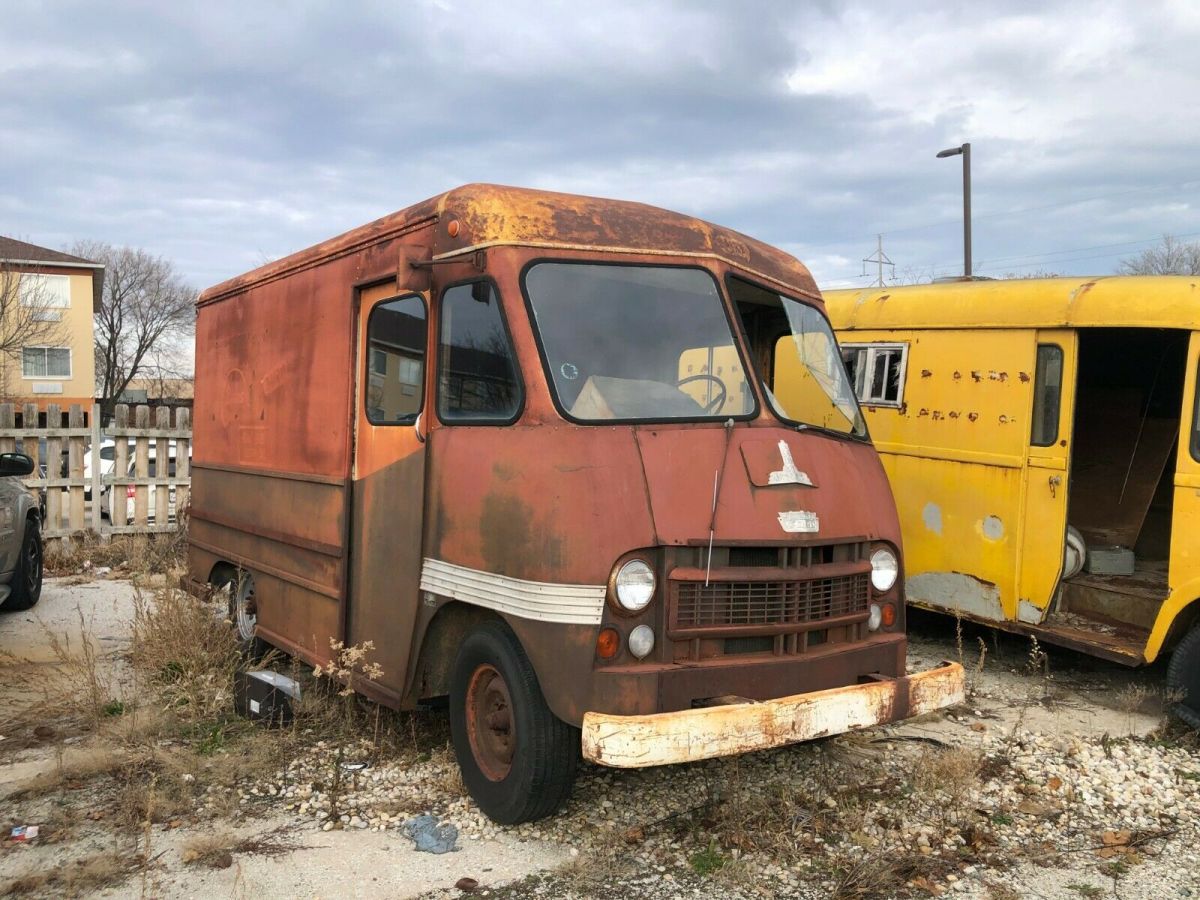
(131, 493)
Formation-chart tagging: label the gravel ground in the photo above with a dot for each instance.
(1054, 781)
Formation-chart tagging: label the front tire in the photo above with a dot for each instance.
(27, 578)
(1183, 678)
(517, 758)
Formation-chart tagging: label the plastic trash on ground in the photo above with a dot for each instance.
(430, 836)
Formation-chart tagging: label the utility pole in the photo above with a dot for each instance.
(880, 259)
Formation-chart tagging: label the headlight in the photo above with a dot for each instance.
(884, 569)
(641, 641)
(635, 585)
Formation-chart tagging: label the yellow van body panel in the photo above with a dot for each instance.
(1117, 301)
(959, 446)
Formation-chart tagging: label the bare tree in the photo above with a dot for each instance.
(28, 316)
(1171, 257)
(146, 319)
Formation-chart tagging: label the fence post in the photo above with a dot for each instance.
(8, 420)
(97, 488)
(183, 461)
(75, 460)
(29, 419)
(118, 502)
(53, 469)
(141, 492)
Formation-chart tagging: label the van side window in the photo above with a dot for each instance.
(477, 380)
(877, 372)
(396, 361)
(1047, 393)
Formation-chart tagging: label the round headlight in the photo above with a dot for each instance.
(635, 585)
(874, 617)
(884, 569)
(641, 641)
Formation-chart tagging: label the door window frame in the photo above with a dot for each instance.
(515, 357)
(1037, 383)
(368, 369)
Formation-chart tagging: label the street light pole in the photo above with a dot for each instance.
(965, 152)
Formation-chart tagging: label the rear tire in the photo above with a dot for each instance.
(517, 758)
(27, 578)
(243, 613)
(1183, 678)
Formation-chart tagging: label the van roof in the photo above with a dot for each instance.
(1160, 301)
(494, 215)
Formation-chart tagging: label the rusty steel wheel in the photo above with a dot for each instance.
(517, 758)
(490, 722)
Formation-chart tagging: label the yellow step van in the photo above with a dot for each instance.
(1042, 440)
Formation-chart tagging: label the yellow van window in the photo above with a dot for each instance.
(1047, 392)
(877, 372)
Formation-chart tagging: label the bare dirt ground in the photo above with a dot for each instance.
(1056, 780)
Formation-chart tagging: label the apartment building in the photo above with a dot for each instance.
(47, 301)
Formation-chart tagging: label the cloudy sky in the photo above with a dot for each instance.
(221, 135)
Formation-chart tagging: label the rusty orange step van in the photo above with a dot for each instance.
(531, 446)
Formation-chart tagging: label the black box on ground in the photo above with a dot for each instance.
(266, 696)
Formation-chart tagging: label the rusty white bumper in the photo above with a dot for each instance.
(691, 734)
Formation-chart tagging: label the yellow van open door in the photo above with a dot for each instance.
(1044, 491)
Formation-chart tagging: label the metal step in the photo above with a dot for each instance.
(1132, 600)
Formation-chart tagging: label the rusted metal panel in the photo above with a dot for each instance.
(682, 462)
(724, 730)
(488, 215)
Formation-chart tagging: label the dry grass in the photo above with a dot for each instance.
(135, 556)
(186, 652)
(73, 879)
(838, 820)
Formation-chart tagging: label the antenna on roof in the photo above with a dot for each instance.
(880, 259)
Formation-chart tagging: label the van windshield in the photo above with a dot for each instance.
(798, 359)
(637, 343)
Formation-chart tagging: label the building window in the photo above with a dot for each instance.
(877, 372)
(46, 291)
(396, 344)
(478, 378)
(46, 362)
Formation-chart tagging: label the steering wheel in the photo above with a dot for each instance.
(718, 401)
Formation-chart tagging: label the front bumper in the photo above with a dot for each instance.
(691, 734)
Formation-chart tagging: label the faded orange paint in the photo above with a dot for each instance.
(538, 501)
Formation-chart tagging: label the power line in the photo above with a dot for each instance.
(880, 259)
(1004, 214)
(1040, 258)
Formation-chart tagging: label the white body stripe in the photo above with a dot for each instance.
(571, 604)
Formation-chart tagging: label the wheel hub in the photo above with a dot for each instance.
(246, 610)
(490, 726)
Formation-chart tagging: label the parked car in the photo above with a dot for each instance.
(20, 535)
(108, 465)
(129, 492)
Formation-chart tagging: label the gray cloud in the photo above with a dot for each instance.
(224, 135)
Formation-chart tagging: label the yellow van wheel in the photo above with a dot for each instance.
(1183, 678)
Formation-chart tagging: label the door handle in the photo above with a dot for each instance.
(417, 428)
(1055, 481)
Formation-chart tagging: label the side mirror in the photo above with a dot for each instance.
(15, 464)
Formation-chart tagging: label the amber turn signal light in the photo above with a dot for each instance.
(888, 615)
(608, 642)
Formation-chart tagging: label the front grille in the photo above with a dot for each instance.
(742, 604)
